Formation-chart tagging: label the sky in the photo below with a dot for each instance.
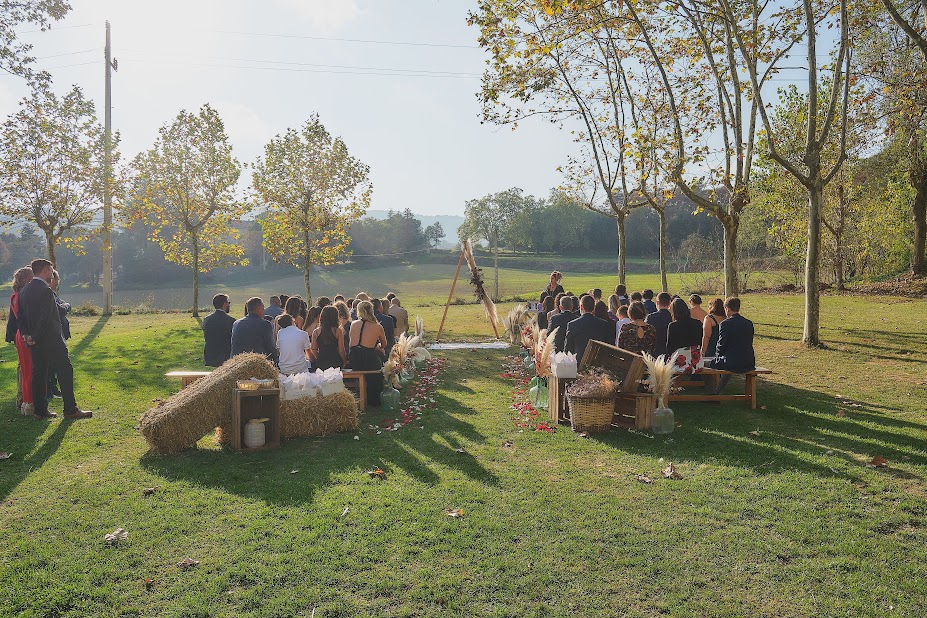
(407, 110)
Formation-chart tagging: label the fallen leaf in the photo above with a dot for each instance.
(454, 513)
(643, 478)
(357, 437)
(762, 407)
(293, 471)
(377, 473)
(583, 434)
(671, 472)
(119, 534)
(346, 510)
(841, 413)
(148, 584)
(188, 563)
(5, 455)
(878, 462)
(755, 433)
(149, 490)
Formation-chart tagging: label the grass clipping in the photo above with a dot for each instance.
(179, 422)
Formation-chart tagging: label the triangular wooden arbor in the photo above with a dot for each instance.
(465, 252)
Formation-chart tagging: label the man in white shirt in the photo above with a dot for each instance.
(292, 343)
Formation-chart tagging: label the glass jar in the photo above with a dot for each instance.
(663, 421)
(389, 399)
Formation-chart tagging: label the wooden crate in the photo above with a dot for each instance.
(634, 410)
(629, 367)
(557, 404)
(262, 403)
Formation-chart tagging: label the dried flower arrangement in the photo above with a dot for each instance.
(515, 321)
(594, 383)
(545, 350)
(660, 377)
(476, 279)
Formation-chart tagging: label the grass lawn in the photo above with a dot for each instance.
(789, 522)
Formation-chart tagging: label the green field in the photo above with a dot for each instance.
(789, 522)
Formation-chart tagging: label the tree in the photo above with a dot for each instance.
(184, 191)
(14, 54)
(488, 218)
(434, 233)
(823, 124)
(312, 190)
(51, 159)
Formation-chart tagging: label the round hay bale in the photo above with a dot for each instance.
(318, 416)
(179, 422)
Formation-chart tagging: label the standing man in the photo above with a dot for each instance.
(40, 326)
(660, 320)
(400, 314)
(253, 333)
(63, 310)
(217, 332)
(275, 308)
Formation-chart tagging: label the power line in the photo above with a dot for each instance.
(56, 28)
(86, 51)
(340, 40)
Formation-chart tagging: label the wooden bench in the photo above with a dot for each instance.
(713, 375)
(187, 377)
(361, 378)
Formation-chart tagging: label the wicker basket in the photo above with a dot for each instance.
(591, 414)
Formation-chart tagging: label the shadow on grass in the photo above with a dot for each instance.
(91, 335)
(424, 451)
(799, 430)
(20, 436)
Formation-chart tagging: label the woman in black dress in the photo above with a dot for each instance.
(368, 342)
(327, 349)
(683, 331)
(553, 288)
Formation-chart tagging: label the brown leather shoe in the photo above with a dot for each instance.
(45, 417)
(78, 414)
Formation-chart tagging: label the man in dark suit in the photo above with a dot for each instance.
(63, 310)
(587, 327)
(660, 320)
(386, 321)
(217, 332)
(560, 322)
(647, 299)
(40, 325)
(253, 333)
(735, 344)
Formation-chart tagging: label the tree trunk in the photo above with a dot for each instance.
(837, 231)
(307, 263)
(50, 243)
(196, 277)
(811, 333)
(495, 248)
(622, 271)
(662, 213)
(731, 225)
(919, 214)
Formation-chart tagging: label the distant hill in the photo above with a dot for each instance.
(449, 223)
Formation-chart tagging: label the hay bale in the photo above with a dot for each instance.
(318, 416)
(178, 423)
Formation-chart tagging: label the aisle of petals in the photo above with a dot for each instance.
(527, 417)
(415, 399)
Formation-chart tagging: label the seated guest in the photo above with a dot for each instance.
(586, 328)
(613, 305)
(344, 318)
(601, 310)
(368, 342)
(274, 309)
(649, 305)
(293, 343)
(293, 308)
(312, 320)
(711, 327)
(637, 336)
(389, 326)
(560, 322)
(622, 320)
(323, 301)
(253, 333)
(684, 331)
(546, 307)
(621, 291)
(660, 320)
(695, 308)
(556, 308)
(327, 349)
(574, 300)
(339, 298)
(399, 314)
(553, 288)
(390, 296)
(217, 332)
(637, 297)
(284, 298)
(597, 294)
(735, 344)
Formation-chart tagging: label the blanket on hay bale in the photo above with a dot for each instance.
(179, 422)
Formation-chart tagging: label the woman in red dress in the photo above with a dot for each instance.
(20, 279)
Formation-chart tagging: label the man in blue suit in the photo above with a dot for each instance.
(217, 332)
(735, 344)
(560, 322)
(253, 333)
(660, 320)
(587, 327)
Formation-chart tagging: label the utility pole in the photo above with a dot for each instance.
(108, 182)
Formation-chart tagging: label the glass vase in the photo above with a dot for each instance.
(389, 399)
(663, 421)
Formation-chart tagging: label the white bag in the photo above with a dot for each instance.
(563, 365)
